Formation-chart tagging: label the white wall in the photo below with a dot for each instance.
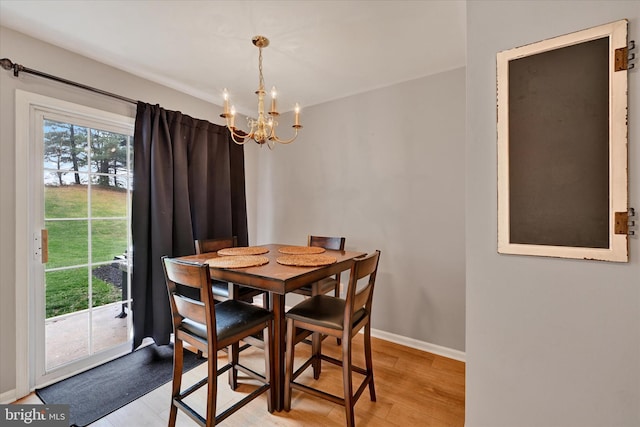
(550, 342)
(385, 169)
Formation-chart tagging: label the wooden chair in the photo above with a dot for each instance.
(327, 284)
(323, 314)
(223, 291)
(210, 327)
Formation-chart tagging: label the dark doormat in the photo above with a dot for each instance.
(97, 392)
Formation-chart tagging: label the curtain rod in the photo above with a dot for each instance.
(7, 64)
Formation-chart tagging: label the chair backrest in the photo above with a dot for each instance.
(334, 243)
(356, 299)
(185, 309)
(214, 245)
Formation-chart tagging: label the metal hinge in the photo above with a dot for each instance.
(624, 222)
(623, 58)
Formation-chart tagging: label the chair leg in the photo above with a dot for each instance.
(316, 349)
(233, 352)
(288, 370)
(316, 339)
(177, 379)
(347, 382)
(336, 292)
(369, 360)
(212, 390)
(269, 373)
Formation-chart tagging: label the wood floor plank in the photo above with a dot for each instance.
(413, 388)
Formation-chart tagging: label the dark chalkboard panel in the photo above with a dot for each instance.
(559, 146)
(562, 146)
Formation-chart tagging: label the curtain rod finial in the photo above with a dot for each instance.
(6, 63)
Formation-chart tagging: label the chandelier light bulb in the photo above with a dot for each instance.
(274, 94)
(225, 95)
(232, 118)
(296, 119)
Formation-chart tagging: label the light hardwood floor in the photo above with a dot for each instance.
(413, 388)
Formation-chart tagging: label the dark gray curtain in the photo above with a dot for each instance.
(188, 183)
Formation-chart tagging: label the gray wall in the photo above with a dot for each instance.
(385, 170)
(550, 342)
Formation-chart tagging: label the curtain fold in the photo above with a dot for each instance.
(188, 183)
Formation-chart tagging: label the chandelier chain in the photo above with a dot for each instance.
(261, 87)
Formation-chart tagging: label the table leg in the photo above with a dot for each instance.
(279, 331)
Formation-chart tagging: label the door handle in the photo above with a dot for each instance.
(44, 242)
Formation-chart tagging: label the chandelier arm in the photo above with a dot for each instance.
(243, 138)
(275, 138)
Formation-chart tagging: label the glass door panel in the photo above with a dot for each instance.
(87, 193)
(68, 242)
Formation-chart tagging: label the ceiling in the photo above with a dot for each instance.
(319, 50)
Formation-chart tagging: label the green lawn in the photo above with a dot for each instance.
(67, 290)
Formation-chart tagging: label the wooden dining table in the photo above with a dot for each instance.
(278, 280)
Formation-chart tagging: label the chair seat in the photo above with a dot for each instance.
(232, 317)
(221, 289)
(323, 310)
(325, 286)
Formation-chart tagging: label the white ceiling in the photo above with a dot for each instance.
(319, 50)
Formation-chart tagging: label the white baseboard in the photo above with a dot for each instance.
(420, 345)
(7, 397)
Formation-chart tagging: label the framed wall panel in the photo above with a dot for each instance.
(562, 146)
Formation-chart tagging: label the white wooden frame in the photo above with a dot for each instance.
(618, 179)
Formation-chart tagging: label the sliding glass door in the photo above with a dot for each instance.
(82, 240)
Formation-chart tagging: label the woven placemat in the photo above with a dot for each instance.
(301, 250)
(306, 260)
(239, 261)
(244, 250)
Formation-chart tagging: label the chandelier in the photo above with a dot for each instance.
(262, 130)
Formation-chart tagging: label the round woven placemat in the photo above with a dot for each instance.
(244, 250)
(306, 260)
(301, 250)
(239, 261)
